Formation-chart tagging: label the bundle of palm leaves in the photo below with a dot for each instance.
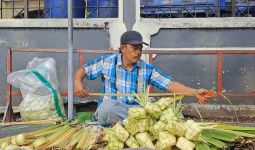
(74, 134)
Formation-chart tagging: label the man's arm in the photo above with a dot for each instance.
(177, 87)
(79, 89)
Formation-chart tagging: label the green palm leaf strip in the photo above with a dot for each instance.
(53, 90)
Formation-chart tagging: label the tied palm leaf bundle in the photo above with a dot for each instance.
(68, 135)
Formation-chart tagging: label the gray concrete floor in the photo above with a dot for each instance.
(6, 131)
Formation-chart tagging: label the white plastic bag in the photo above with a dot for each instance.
(39, 88)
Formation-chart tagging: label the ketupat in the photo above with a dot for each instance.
(158, 146)
(113, 143)
(168, 115)
(136, 113)
(159, 126)
(120, 132)
(132, 143)
(131, 126)
(144, 140)
(184, 144)
(166, 140)
(151, 123)
(176, 128)
(153, 110)
(192, 130)
(163, 103)
(114, 146)
(142, 125)
(173, 112)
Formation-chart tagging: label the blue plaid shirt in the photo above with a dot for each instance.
(116, 79)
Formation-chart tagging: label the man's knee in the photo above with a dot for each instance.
(107, 117)
(111, 112)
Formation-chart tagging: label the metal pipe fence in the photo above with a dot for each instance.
(219, 53)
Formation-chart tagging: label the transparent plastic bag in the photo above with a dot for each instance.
(39, 88)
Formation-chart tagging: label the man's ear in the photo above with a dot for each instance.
(122, 48)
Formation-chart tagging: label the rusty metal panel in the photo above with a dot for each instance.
(238, 73)
(171, 38)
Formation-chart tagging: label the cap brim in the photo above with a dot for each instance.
(138, 42)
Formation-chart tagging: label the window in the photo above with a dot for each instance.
(58, 9)
(197, 8)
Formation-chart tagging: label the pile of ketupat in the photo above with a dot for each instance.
(68, 135)
(161, 126)
(157, 125)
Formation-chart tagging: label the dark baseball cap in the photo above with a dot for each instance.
(132, 37)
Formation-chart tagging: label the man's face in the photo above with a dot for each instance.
(132, 53)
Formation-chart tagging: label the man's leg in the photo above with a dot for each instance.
(111, 112)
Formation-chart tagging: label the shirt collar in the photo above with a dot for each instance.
(119, 62)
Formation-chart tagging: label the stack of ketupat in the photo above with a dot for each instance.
(69, 135)
(161, 126)
(157, 125)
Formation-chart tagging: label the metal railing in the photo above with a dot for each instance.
(219, 53)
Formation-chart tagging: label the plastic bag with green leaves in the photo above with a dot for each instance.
(39, 88)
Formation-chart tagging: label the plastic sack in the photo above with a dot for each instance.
(39, 88)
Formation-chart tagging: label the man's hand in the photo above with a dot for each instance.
(204, 95)
(79, 90)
